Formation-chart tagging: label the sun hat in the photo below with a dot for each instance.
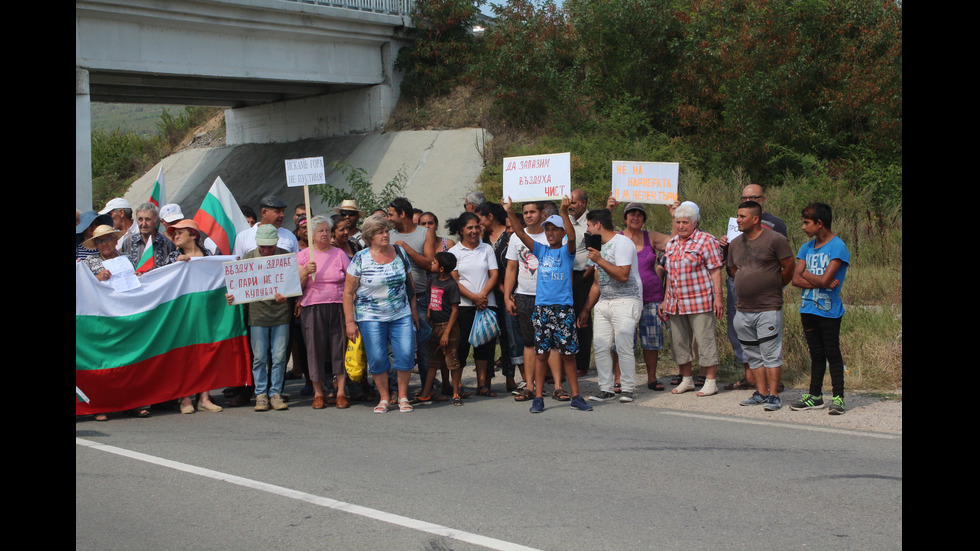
(185, 223)
(89, 216)
(349, 204)
(113, 204)
(102, 231)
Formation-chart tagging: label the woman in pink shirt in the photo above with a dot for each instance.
(323, 269)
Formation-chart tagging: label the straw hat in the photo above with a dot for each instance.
(102, 231)
(349, 204)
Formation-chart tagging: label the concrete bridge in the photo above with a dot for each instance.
(286, 70)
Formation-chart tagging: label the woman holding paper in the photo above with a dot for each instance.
(189, 239)
(104, 240)
(322, 273)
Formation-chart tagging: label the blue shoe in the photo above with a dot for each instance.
(772, 403)
(307, 390)
(753, 400)
(580, 404)
(537, 405)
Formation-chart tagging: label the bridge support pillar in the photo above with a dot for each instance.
(83, 141)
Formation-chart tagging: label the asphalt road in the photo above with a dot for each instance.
(486, 475)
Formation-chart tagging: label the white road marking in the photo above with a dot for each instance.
(367, 512)
(784, 425)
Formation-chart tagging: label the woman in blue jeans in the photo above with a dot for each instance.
(379, 304)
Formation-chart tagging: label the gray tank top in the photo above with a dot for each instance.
(415, 240)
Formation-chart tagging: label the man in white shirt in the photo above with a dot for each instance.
(271, 211)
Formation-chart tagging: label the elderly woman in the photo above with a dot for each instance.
(189, 240)
(379, 304)
(103, 240)
(322, 274)
(476, 271)
(693, 299)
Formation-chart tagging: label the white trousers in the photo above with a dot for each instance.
(614, 323)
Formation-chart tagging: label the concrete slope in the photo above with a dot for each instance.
(440, 166)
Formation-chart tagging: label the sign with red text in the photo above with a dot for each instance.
(537, 177)
(262, 277)
(644, 182)
(305, 172)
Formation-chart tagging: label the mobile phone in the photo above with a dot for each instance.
(593, 241)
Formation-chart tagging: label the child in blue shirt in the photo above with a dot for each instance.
(554, 314)
(821, 266)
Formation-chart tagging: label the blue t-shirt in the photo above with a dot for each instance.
(824, 302)
(554, 285)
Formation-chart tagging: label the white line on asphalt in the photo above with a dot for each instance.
(375, 514)
(785, 425)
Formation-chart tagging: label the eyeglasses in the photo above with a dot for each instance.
(349, 213)
(752, 197)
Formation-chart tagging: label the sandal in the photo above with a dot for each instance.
(486, 392)
(699, 380)
(404, 406)
(101, 417)
(676, 380)
(457, 401)
(655, 385)
(741, 384)
(463, 393)
(382, 407)
(561, 395)
(524, 396)
(617, 388)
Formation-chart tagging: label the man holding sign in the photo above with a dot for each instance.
(268, 322)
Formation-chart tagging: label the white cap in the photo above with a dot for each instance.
(117, 203)
(170, 213)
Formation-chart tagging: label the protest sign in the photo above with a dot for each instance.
(536, 177)
(644, 182)
(260, 278)
(733, 230)
(305, 172)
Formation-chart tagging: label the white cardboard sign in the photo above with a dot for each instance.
(262, 277)
(645, 182)
(537, 177)
(305, 172)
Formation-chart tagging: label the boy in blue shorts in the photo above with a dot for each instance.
(554, 312)
(820, 269)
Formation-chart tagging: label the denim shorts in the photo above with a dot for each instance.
(377, 335)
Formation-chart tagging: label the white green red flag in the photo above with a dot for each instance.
(220, 217)
(145, 263)
(159, 194)
(173, 336)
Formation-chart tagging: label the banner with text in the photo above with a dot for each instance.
(262, 277)
(305, 172)
(644, 182)
(537, 177)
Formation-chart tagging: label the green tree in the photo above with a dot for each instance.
(360, 189)
(444, 47)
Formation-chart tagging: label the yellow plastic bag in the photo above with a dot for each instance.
(355, 359)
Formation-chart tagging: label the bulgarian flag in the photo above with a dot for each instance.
(173, 336)
(220, 217)
(159, 194)
(145, 263)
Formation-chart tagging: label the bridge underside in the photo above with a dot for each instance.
(285, 70)
(124, 87)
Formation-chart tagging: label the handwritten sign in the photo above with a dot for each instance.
(733, 230)
(537, 177)
(262, 277)
(305, 172)
(644, 182)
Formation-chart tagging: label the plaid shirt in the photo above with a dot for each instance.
(689, 265)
